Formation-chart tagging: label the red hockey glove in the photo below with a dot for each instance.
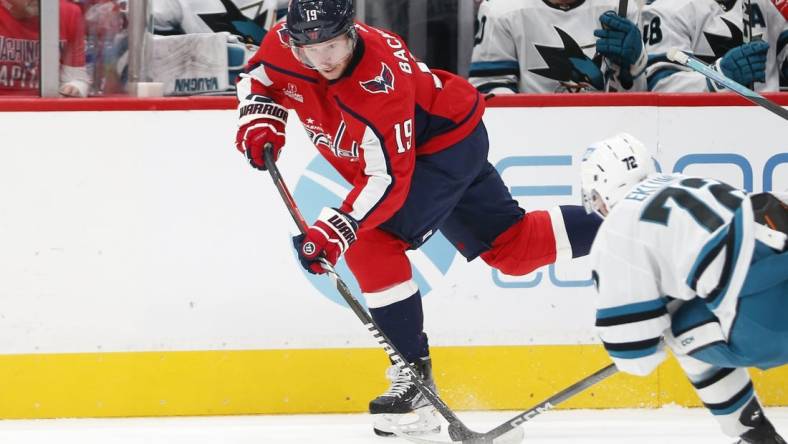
(260, 121)
(331, 235)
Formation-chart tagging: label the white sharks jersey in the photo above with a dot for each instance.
(532, 46)
(708, 29)
(673, 237)
(247, 18)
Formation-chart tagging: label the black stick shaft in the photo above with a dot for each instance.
(357, 308)
(747, 21)
(622, 12)
(550, 402)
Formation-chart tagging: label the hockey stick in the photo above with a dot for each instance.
(457, 430)
(548, 404)
(696, 65)
(622, 12)
(622, 8)
(746, 18)
(544, 406)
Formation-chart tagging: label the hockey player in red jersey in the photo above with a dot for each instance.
(412, 144)
(20, 49)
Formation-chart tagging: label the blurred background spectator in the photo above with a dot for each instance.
(713, 30)
(202, 45)
(247, 19)
(544, 46)
(20, 49)
(431, 28)
(106, 43)
(782, 6)
(519, 45)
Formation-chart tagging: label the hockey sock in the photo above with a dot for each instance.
(403, 323)
(580, 227)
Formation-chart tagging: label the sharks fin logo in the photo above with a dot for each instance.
(234, 22)
(569, 65)
(721, 44)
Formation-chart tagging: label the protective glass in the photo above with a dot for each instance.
(22, 8)
(326, 55)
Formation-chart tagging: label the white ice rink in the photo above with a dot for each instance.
(666, 425)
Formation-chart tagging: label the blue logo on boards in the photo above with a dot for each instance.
(320, 186)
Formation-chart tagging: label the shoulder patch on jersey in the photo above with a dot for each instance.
(380, 84)
(284, 36)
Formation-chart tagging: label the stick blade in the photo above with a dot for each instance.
(514, 436)
(418, 439)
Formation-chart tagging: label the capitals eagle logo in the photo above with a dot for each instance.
(380, 84)
(284, 36)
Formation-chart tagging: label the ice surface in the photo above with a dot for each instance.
(672, 425)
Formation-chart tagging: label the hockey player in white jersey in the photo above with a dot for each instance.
(545, 46)
(203, 45)
(749, 47)
(249, 19)
(695, 264)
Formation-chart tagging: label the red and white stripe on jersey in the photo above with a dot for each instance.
(377, 179)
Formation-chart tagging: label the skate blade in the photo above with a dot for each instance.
(421, 421)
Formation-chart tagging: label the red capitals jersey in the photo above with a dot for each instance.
(20, 48)
(372, 122)
(782, 6)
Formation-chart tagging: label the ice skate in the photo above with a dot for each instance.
(403, 406)
(762, 431)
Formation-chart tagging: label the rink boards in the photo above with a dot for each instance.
(147, 270)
